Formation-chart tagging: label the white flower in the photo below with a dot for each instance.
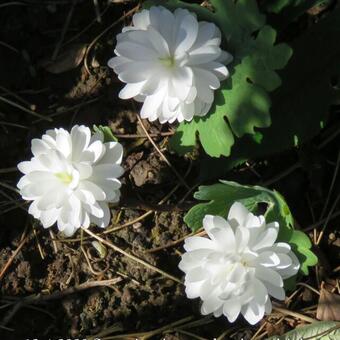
(170, 62)
(72, 178)
(236, 269)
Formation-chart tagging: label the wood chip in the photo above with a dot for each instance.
(328, 306)
(66, 61)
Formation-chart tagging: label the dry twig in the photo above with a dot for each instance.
(15, 253)
(181, 179)
(132, 257)
(93, 42)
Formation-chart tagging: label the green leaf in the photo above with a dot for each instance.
(323, 330)
(301, 105)
(301, 245)
(242, 103)
(107, 132)
(210, 129)
(220, 197)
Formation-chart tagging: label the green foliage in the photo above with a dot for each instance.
(301, 245)
(311, 84)
(107, 132)
(323, 330)
(220, 198)
(242, 103)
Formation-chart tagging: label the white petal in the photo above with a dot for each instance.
(181, 82)
(276, 292)
(285, 261)
(85, 196)
(68, 229)
(280, 247)
(220, 231)
(97, 149)
(50, 137)
(110, 188)
(253, 312)
(218, 69)
(95, 209)
(135, 51)
(210, 79)
(195, 275)
(193, 259)
(141, 20)
(204, 93)
(106, 171)
(33, 210)
(117, 61)
(239, 213)
(114, 197)
(64, 143)
(33, 190)
(113, 154)
(80, 136)
(84, 170)
(186, 112)
(193, 290)
(204, 55)
(292, 269)
(94, 189)
(33, 165)
(268, 259)
(241, 238)
(232, 309)
(237, 274)
(268, 306)
(85, 218)
(131, 90)
(151, 105)
(196, 242)
(260, 291)
(225, 58)
(69, 216)
(209, 291)
(52, 199)
(269, 275)
(159, 43)
(49, 217)
(104, 220)
(186, 34)
(205, 33)
(41, 176)
(266, 239)
(163, 21)
(137, 72)
(218, 312)
(39, 147)
(210, 305)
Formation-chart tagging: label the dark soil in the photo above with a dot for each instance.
(143, 300)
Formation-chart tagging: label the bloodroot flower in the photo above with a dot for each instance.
(238, 267)
(72, 178)
(171, 62)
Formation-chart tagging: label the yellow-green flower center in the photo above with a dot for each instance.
(64, 177)
(168, 62)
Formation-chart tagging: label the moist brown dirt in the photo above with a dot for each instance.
(143, 300)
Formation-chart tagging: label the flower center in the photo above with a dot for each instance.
(244, 263)
(64, 177)
(168, 61)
